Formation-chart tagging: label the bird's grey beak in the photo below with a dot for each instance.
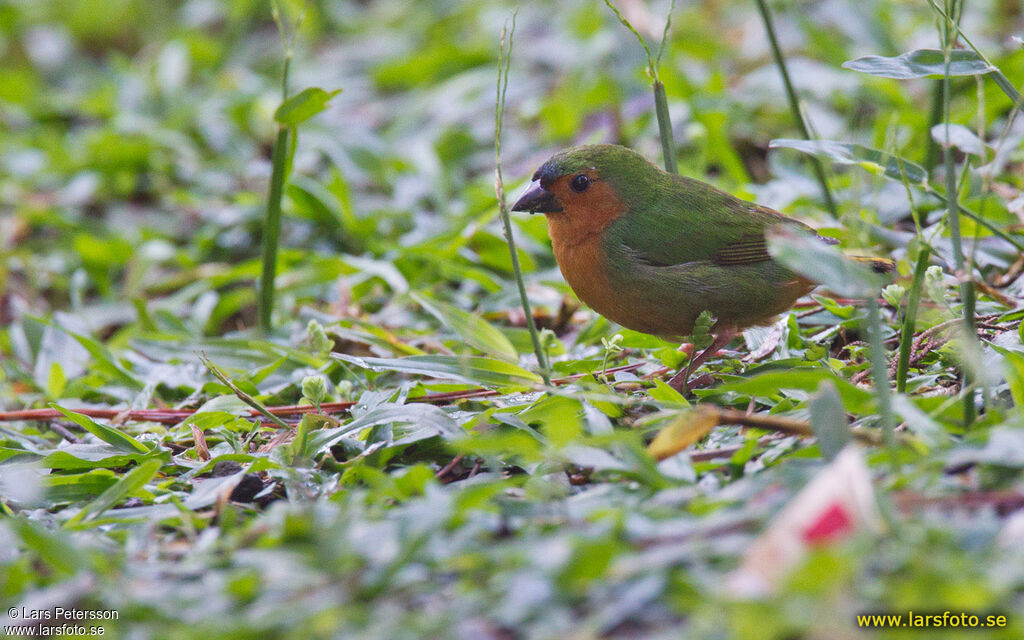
(537, 199)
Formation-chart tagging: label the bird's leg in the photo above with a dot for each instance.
(680, 381)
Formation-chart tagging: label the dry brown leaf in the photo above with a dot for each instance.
(685, 430)
(202, 451)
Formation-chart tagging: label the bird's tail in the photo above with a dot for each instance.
(878, 265)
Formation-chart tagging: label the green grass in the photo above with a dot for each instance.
(444, 490)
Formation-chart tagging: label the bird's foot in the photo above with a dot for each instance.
(681, 382)
(701, 381)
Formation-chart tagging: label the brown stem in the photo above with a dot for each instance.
(448, 467)
(174, 416)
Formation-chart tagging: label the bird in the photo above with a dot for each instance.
(651, 250)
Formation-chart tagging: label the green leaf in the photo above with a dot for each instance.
(106, 362)
(928, 430)
(666, 395)
(701, 337)
(130, 483)
(871, 160)
(559, 418)
(828, 420)
(53, 548)
(90, 456)
(314, 389)
(844, 311)
(921, 63)
(227, 404)
(422, 416)
(61, 488)
(960, 137)
(1014, 369)
(55, 381)
(471, 369)
(383, 269)
(589, 562)
(303, 106)
(821, 263)
(112, 436)
(770, 383)
(472, 328)
(299, 446)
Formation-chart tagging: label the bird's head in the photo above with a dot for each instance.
(588, 184)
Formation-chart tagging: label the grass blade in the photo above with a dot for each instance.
(470, 369)
(112, 436)
(130, 483)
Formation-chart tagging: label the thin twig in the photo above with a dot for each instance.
(1008, 500)
(174, 416)
(63, 431)
(788, 426)
(1011, 275)
(968, 213)
(791, 426)
(448, 467)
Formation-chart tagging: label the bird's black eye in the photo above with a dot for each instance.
(580, 183)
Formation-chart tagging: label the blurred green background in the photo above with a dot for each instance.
(135, 142)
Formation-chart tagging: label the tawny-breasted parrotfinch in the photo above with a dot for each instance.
(651, 250)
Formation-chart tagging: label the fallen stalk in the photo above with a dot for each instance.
(905, 501)
(789, 426)
(1007, 500)
(173, 416)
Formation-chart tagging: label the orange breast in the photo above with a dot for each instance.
(576, 238)
(584, 266)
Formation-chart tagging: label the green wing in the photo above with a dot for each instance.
(684, 220)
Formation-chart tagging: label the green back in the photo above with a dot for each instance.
(671, 219)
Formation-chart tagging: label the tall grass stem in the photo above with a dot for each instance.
(910, 319)
(504, 61)
(997, 75)
(279, 171)
(953, 208)
(934, 118)
(794, 105)
(880, 375)
(668, 145)
(272, 221)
